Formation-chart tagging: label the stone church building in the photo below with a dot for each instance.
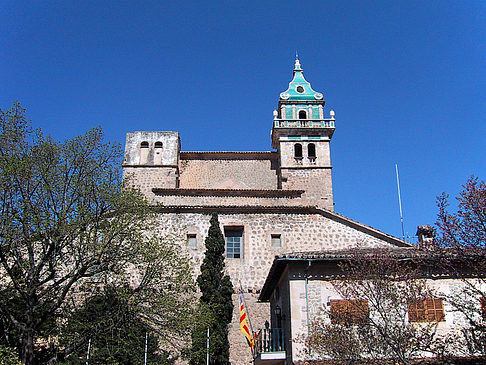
(269, 202)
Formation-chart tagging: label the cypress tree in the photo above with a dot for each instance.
(216, 302)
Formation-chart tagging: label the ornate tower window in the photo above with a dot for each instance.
(298, 151)
(311, 152)
(302, 114)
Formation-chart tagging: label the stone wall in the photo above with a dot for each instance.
(221, 200)
(167, 154)
(299, 232)
(228, 173)
(317, 183)
(146, 178)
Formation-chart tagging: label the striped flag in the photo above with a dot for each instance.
(244, 323)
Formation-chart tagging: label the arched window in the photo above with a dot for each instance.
(298, 150)
(302, 114)
(158, 153)
(311, 150)
(144, 152)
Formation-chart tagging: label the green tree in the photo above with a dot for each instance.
(115, 329)
(68, 226)
(216, 302)
(8, 356)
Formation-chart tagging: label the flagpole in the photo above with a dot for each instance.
(246, 309)
(207, 349)
(145, 355)
(87, 354)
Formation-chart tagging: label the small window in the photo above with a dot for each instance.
(191, 240)
(298, 150)
(234, 242)
(276, 240)
(300, 89)
(311, 151)
(349, 311)
(428, 310)
(144, 144)
(302, 114)
(158, 145)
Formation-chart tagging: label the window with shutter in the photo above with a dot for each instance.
(349, 311)
(428, 310)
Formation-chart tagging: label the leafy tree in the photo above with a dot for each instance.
(115, 329)
(378, 285)
(462, 245)
(68, 227)
(8, 356)
(216, 302)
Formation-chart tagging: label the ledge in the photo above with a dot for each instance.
(228, 192)
(240, 155)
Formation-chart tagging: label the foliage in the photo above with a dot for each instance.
(462, 242)
(388, 285)
(68, 227)
(117, 334)
(8, 356)
(216, 291)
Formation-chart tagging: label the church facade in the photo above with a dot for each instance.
(269, 202)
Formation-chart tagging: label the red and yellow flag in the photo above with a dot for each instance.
(244, 323)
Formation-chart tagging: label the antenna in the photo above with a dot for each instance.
(400, 202)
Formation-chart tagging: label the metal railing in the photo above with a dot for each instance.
(269, 340)
(304, 123)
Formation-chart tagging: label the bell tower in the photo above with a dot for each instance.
(302, 138)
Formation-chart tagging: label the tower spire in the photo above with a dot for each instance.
(297, 67)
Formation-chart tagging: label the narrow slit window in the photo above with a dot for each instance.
(158, 153)
(144, 152)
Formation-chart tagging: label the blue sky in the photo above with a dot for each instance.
(407, 80)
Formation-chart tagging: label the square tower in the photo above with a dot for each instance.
(302, 138)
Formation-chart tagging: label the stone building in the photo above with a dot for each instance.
(269, 202)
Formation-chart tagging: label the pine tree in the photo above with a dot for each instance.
(216, 302)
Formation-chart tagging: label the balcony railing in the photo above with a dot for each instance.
(303, 123)
(269, 340)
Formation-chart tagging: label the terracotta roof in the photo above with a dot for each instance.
(280, 262)
(400, 252)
